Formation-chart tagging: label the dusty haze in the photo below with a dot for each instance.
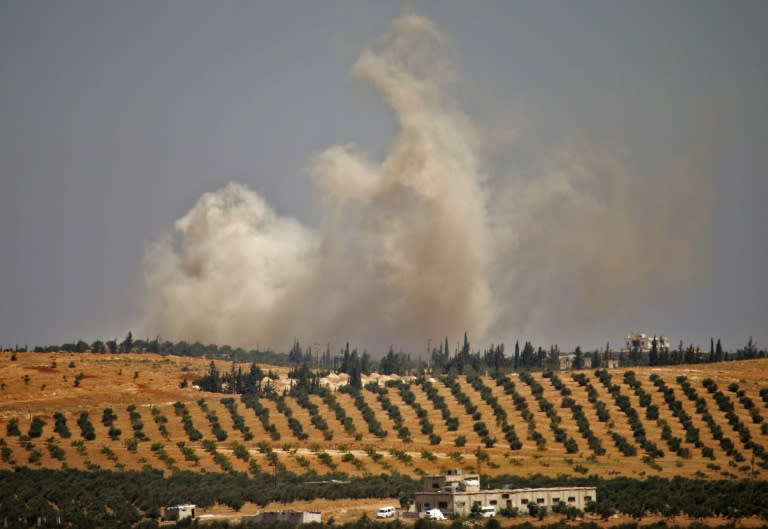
(424, 243)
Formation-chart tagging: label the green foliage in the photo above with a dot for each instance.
(12, 428)
(262, 412)
(240, 451)
(60, 425)
(238, 421)
(55, 450)
(109, 453)
(34, 456)
(79, 445)
(162, 455)
(5, 452)
(181, 410)
(188, 452)
(36, 428)
(325, 458)
(86, 427)
(131, 444)
(162, 422)
(108, 417)
(121, 499)
(213, 420)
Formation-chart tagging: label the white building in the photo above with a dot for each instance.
(641, 342)
(179, 512)
(455, 493)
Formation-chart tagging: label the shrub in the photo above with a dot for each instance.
(114, 433)
(36, 428)
(86, 428)
(12, 428)
(5, 452)
(131, 444)
(240, 451)
(108, 417)
(189, 453)
(60, 425)
(79, 446)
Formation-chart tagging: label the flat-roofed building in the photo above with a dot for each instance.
(446, 492)
(180, 512)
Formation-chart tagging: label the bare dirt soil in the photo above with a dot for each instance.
(36, 385)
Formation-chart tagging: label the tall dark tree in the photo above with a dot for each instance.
(345, 365)
(296, 355)
(653, 355)
(365, 363)
(355, 374)
(465, 348)
(719, 351)
(596, 360)
(750, 351)
(528, 357)
(578, 358)
(497, 357)
(517, 355)
(690, 355)
(127, 344)
(711, 349)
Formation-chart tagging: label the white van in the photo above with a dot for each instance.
(488, 511)
(386, 512)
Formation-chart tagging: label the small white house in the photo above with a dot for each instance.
(179, 512)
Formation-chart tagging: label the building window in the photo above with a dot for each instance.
(571, 499)
(555, 500)
(524, 501)
(460, 504)
(505, 496)
(587, 498)
(493, 502)
(435, 485)
(540, 501)
(442, 505)
(476, 503)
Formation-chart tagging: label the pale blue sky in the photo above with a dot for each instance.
(116, 116)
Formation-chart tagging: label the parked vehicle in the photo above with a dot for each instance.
(386, 512)
(488, 511)
(434, 514)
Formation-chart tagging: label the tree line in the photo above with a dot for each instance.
(463, 359)
(73, 498)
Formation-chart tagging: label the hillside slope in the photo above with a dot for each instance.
(65, 410)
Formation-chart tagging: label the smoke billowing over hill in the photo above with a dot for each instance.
(422, 243)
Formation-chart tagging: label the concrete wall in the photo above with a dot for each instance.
(293, 517)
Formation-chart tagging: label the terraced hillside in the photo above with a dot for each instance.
(92, 411)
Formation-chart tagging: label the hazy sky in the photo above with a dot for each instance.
(115, 117)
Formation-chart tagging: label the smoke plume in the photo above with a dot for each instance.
(413, 247)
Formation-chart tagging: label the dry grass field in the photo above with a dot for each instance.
(147, 387)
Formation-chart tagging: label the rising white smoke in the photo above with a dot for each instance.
(410, 247)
